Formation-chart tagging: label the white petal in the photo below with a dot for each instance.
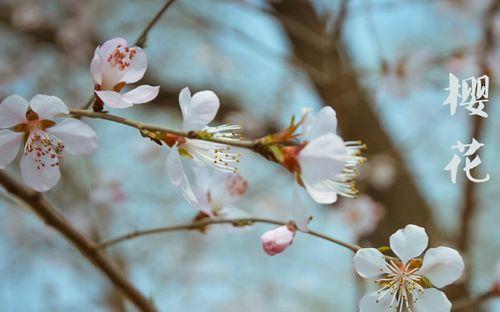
(9, 146)
(113, 99)
(442, 266)
(370, 303)
(369, 262)
(48, 106)
(201, 110)
(13, 111)
(96, 67)
(109, 46)
(322, 158)
(432, 300)
(40, 179)
(141, 94)
(409, 243)
(184, 100)
(321, 192)
(177, 176)
(325, 122)
(137, 67)
(77, 137)
(301, 212)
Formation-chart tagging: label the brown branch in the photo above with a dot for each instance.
(53, 218)
(203, 224)
(470, 193)
(141, 40)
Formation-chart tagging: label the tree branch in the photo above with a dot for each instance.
(53, 218)
(203, 224)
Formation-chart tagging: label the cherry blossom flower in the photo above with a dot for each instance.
(44, 139)
(114, 65)
(325, 164)
(361, 214)
(198, 111)
(277, 240)
(409, 283)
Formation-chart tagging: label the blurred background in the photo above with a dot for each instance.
(381, 64)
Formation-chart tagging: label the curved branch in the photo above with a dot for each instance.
(252, 145)
(202, 224)
(53, 218)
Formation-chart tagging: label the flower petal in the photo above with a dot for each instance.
(110, 45)
(113, 99)
(9, 146)
(78, 138)
(442, 266)
(184, 100)
(301, 212)
(48, 106)
(321, 192)
(177, 176)
(135, 71)
(201, 110)
(39, 178)
(432, 300)
(369, 262)
(409, 243)
(96, 67)
(322, 158)
(13, 111)
(141, 94)
(325, 122)
(371, 303)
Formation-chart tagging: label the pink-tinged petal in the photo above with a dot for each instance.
(176, 174)
(277, 240)
(39, 178)
(141, 94)
(78, 138)
(301, 212)
(369, 263)
(9, 146)
(409, 243)
(322, 158)
(432, 300)
(371, 302)
(96, 67)
(184, 100)
(13, 111)
(48, 106)
(442, 266)
(325, 122)
(137, 68)
(109, 46)
(321, 192)
(113, 99)
(201, 110)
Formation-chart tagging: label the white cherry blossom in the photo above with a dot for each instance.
(44, 140)
(114, 65)
(325, 162)
(198, 111)
(409, 282)
(362, 215)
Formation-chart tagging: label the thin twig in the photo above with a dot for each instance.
(140, 126)
(141, 40)
(53, 218)
(202, 224)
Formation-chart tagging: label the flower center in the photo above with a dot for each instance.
(121, 57)
(403, 284)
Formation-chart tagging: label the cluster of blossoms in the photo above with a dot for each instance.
(203, 165)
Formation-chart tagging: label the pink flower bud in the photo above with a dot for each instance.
(277, 240)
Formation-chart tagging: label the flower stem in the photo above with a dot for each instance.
(248, 144)
(202, 224)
